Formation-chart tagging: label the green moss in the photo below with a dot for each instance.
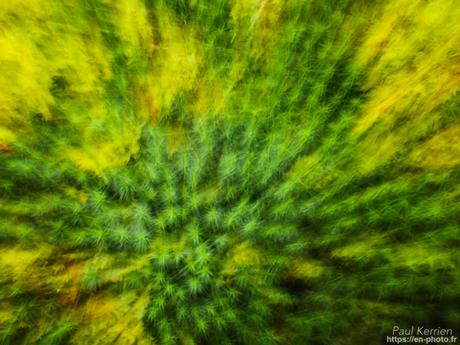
(227, 172)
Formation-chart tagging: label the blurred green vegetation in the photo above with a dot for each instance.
(228, 172)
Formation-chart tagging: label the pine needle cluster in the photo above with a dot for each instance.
(228, 172)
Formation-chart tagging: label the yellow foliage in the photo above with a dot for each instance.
(98, 156)
(32, 60)
(304, 268)
(210, 95)
(409, 56)
(176, 61)
(24, 80)
(304, 165)
(17, 263)
(244, 8)
(117, 274)
(440, 152)
(113, 320)
(132, 26)
(71, 292)
(100, 261)
(165, 244)
(27, 69)
(416, 255)
(379, 34)
(6, 312)
(362, 248)
(29, 8)
(422, 59)
(100, 306)
(375, 150)
(267, 26)
(84, 63)
(6, 135)
(241, 254)
(76, 194)
(308, 171)
(264, 17)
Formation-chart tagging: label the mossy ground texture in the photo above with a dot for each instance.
(248, 172)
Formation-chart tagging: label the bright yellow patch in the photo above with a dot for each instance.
(303, 268)
(97, 156)
(24, 76)
(6, 312)
(241, 254)
(440, 152)
(112, 320)
(176, 62)
(415, 256)
(362, 248)
(304, 165)
(132, 26)
(409, 54)
(18, 263)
